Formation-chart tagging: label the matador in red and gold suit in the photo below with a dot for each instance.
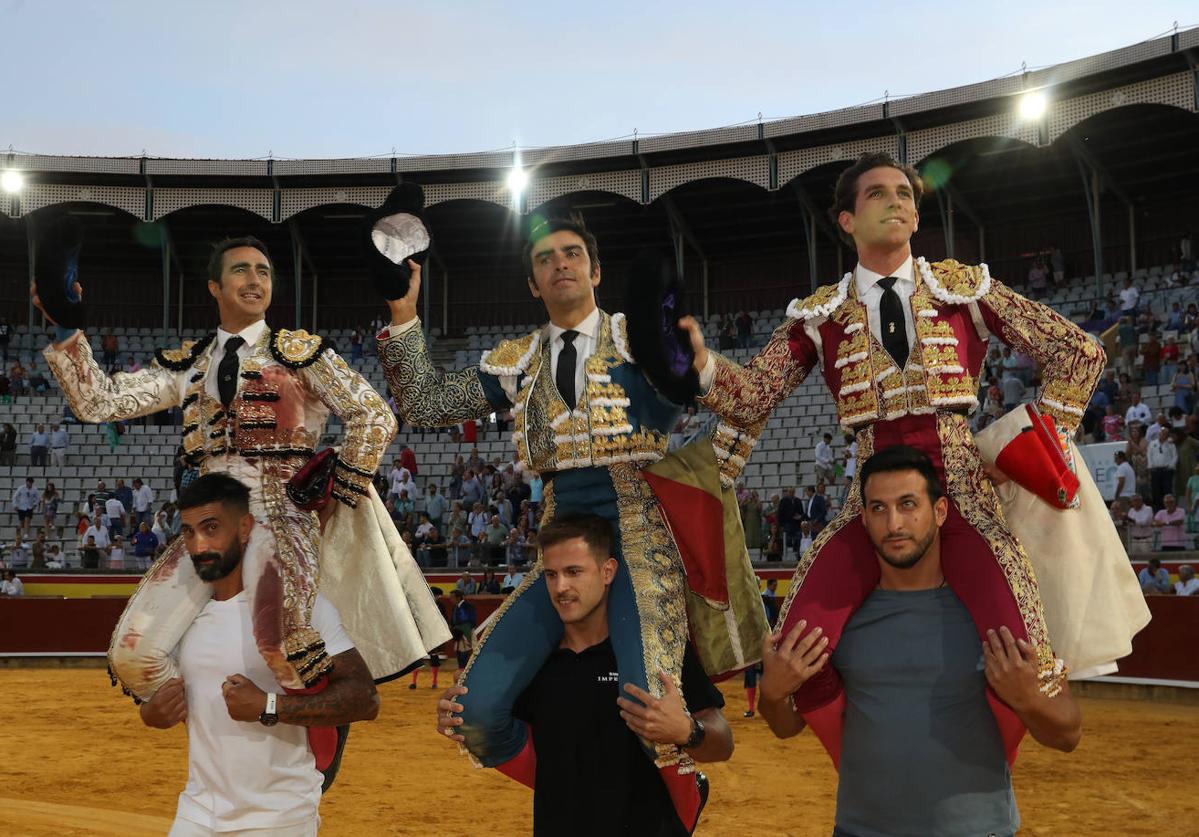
(953, 311)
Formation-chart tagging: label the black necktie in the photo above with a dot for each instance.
(565, 376)
(227, 372)
(895, 333)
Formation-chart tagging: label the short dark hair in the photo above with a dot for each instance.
(216, 262)
(902, 458)
(595, 531)
(845, 194)
(540, 227)
(216, 488)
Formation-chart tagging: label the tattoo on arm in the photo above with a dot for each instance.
(350, 696)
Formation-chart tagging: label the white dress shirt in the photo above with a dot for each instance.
(584, 344)
(250, 334)
(871, 295)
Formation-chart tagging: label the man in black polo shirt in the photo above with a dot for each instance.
(592, 775)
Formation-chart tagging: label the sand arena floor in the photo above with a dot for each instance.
(75, 759)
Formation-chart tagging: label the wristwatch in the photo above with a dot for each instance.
(270, 716)
(697, 734)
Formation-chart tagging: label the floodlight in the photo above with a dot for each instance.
(1033, 105)
(518, 179)
(11, 181)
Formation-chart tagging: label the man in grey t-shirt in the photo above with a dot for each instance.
(920, 750)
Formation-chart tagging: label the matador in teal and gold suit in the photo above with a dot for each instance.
(599, 457)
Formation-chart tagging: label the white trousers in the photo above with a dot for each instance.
(187, 828)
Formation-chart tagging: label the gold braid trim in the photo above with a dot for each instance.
(425, 395)
(850, 510)
(978, 504)
(533, 573)
(1071, 361)
(745, 396)
(369, 423)
(297, 348)
(659, 587)
(95, 397)
(296, 540)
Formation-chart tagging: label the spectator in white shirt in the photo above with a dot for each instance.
(143, 504)
(11, 585)
(58, 445)
(477, 521)
(24, 501)
(512, 579)
(805, 536)
(18, 553)
(98, 534)
(1138, 411)
(825, 471)
(398, 475)
(1162, 458)
(1129, 296)
(161, 528)
(1126, 476)
(55, 560)
(115, 510)
(1140, 529)
(407, 483)
(1187, 584)
(116, 554)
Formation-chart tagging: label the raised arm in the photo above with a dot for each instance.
(425, 395)
(96, 397)
(369, 423)
(1071, 361)
(745, 396)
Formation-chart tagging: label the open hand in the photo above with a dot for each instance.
(661, 720)
(1011, 668)
(447, 709)
(788, 663)
(403, 309)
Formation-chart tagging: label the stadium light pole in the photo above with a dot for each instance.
(1033, 105)
(518, 180)
(12, 181)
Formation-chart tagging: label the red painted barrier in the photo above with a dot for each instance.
(1164, 650)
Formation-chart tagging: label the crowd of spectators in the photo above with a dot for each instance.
(109, 529)
(487, 514)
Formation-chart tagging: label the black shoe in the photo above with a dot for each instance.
(748, 714)
(411, 685)
(701, 782)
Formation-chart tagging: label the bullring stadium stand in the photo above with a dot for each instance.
(1108, 173)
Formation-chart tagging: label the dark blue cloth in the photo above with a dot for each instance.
(530, 630)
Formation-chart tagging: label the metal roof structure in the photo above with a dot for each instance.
(1111, 167)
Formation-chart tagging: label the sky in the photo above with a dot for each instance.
(306, 79)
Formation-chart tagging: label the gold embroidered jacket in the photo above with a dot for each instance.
(955, 309)
(619, 416)
(287, 388)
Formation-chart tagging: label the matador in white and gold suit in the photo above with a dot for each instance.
(288, 382)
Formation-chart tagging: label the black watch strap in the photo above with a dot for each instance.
(697, 734)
